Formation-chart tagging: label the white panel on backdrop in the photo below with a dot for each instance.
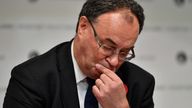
(163, 48)
(32, 26)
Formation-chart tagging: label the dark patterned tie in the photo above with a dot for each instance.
(90, 100)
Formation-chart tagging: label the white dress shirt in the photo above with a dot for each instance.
(80, 80)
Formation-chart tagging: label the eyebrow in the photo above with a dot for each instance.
(111, 41)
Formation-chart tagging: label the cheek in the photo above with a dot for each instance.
(95, 56)
(93, 52)
(89, 55)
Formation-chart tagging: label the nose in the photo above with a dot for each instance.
(113, 60)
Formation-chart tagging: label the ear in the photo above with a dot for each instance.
(83, 25)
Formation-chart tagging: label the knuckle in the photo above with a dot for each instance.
(102, 76)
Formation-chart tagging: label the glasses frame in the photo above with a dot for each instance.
(100, 44)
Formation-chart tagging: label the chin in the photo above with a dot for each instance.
(94, 74)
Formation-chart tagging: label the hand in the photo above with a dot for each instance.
(109, 89)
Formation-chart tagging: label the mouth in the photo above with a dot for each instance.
(108, 67)
(97, 72)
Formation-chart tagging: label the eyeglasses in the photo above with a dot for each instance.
(107, 50)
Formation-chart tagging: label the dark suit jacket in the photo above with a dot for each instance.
(48, 81)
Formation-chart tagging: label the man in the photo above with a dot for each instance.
(104, 43)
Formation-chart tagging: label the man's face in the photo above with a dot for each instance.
(117, 30)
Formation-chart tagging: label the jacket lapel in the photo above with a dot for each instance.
(69, 93)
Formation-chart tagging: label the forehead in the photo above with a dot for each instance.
(120, 26)
(121, 14)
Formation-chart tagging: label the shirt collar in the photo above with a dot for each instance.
(78, 73)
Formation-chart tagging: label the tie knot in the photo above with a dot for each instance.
(90, 81)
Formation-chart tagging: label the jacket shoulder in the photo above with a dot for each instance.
(140, 85)
(134, 72)
(37, 73)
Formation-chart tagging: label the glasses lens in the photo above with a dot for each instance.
(130, 55)
(107, 50)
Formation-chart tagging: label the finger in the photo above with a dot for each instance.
(99, 83)
(107, 72)
(105, 79)
(96, 91)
